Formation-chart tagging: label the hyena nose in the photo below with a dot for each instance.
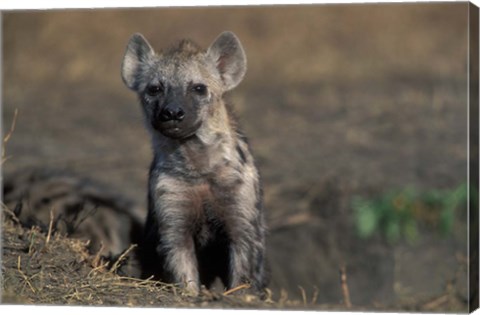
(172, 113)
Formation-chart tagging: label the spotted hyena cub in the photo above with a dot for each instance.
(205, 217)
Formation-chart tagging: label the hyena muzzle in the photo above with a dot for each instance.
(205, 217)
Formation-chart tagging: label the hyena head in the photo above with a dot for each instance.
(181, 87)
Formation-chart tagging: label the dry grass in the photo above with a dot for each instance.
(60, 271)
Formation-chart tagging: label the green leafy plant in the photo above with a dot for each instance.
(397, 214)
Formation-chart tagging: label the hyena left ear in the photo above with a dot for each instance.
(227, 53)
(138, 53)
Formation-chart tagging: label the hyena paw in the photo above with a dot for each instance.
(191, 288)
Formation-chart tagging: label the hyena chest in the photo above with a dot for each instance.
(200, 207)
(208, 212)
(210, 232)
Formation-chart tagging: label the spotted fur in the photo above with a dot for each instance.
(205, 218)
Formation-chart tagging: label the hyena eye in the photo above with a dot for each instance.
(200, 89)
(154, 89)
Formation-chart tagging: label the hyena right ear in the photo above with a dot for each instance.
(229, 57)
(138, 53)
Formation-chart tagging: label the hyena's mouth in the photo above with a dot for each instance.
(176, 130)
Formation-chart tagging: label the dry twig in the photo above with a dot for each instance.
(240, 287)
(24, 276)
(10, 212)
(8, 135)
(96, 263)
(33, 234)
(304, 295)
(50, 226)
(283, 297)
(345, 291)
(436, 303)
(122, 258)
(315, 295)
(269, 294)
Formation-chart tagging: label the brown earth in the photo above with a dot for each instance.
(43, 269)
(339, 101)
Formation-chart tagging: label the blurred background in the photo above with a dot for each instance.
(357, 115)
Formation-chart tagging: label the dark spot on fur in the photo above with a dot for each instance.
(243, 158)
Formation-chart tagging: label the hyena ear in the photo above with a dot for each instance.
(227, 53)
(138, 52)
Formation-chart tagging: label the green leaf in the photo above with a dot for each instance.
(392, 231)
(447, 216)
(366, 220)
(410, 231)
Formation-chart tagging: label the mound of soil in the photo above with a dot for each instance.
(52, 269)
(41, 268)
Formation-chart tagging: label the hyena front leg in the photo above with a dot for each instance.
(247, 256)
(176, 244)
(178, 249)
(173, 212)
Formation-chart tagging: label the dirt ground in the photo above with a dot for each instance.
(339, 101)
(54, 270)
